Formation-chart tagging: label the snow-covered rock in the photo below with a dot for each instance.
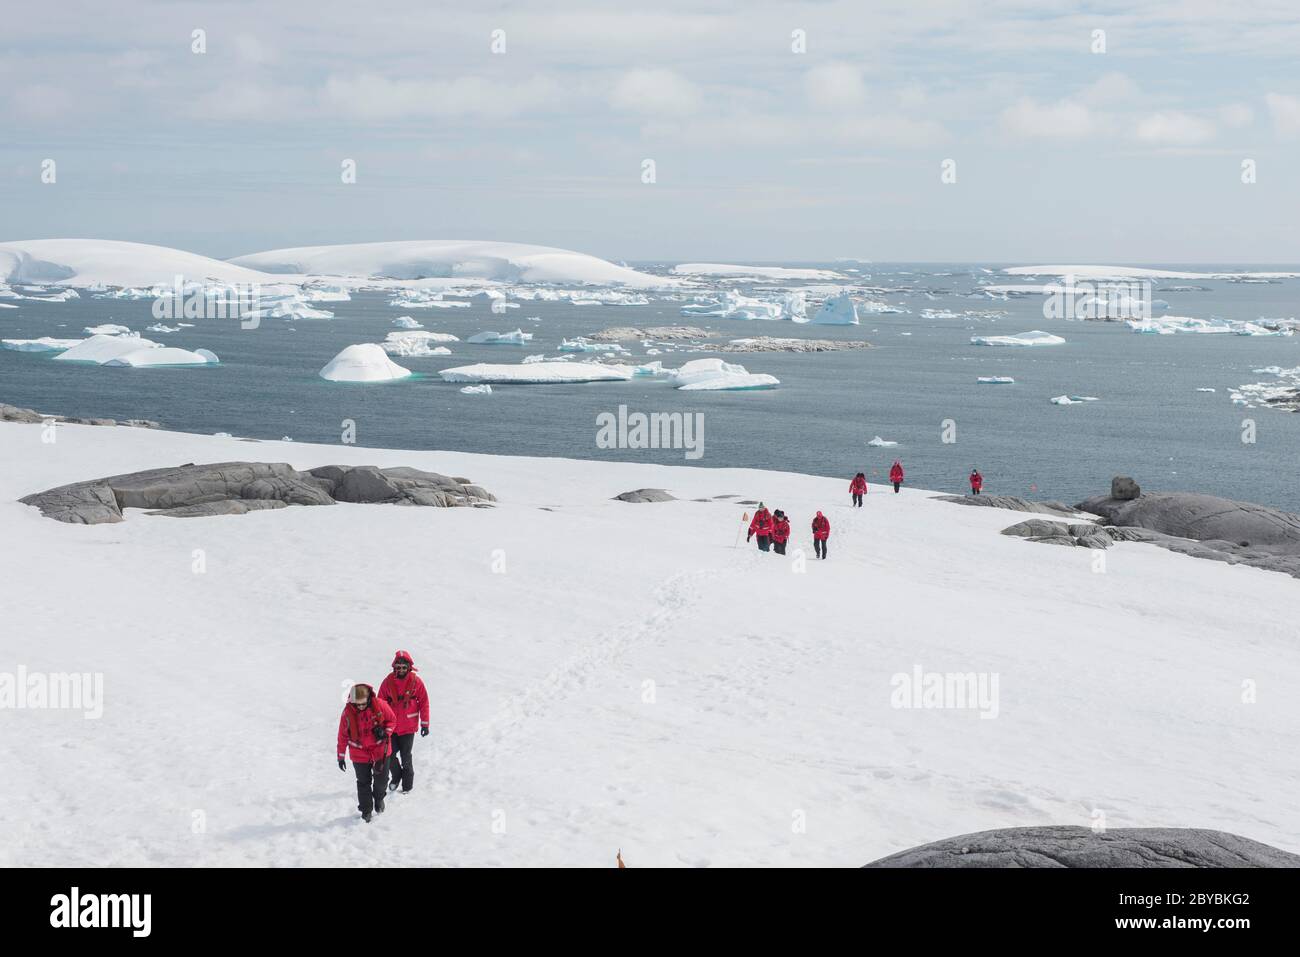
(365, 362)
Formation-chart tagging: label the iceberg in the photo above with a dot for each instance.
(583, 344)
(406, 322)
(880, 443)
(715, 375)
(837, 310)
(43, 344)
(483, 389)
(366, 362)
(99, 349)
(536, 373)
(1073, 399)
(160, 327)
(163, 356)
(1033, 338)
(108, 329)
(516, 338)
(735, 306)
(995, 380)
(417, 344)
(757, 272)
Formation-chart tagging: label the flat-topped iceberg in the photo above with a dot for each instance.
(995, 380)
(164, 356)
(107, 329)
(880, 443)
(715, 375)
(1073, 399)
(1034, 338)
(536, 373)
(759, 272)
(516, 338)
(100, 349)
(365, 362)
(583, 344)
(43, 344)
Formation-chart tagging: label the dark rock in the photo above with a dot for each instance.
(1124, 488)
(12, 413)
(1039, 528)
(83, 503)
(366, 484)
(1094, 539)
(1204, 518)
(645, 495)
(1062, 846)
(224, 507)
(1011, 502)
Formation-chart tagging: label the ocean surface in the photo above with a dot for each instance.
(1150, 421)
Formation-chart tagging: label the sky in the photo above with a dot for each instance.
(778, 132)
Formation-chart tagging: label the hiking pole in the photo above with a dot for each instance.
(743, 519)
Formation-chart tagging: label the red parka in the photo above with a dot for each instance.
(357, 730)
(821, 527)
(858, 486)
(761, 524)
(781, 531)
(896, 472)
(976, 481)
(407, 697)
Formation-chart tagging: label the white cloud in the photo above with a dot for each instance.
(374, 96)
(1174, 129)
(1285, 111)
(661, 92)
(1064, 119)
(1108, 89)
(834, 86)
(1236, 115)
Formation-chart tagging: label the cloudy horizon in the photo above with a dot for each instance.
(1075, 132)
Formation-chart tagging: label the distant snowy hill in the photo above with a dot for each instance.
(450, 258)
(1133, 272)
(86, 262)
(762, 272)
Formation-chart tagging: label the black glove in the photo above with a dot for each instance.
(424, 732)
(380, 732)
(343, 765)
(749, 536)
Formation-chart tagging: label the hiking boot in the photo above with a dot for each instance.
(365, 816)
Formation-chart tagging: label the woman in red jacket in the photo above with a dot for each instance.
(821, 529)
(364, 729)
(896, 474)
(976, 481)
(405, 694)
(762, 527)
(858, 488)
(780, 531)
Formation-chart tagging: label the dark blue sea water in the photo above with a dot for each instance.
(1150, 421)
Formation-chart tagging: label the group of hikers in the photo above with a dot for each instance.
(772, 529)
(377, 731)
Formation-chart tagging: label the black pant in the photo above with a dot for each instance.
(764, 542)
(896, 484)
(819, 546)
(974, 491)
(400, 765)
(778, 547)
(372, 784)
(857, 499)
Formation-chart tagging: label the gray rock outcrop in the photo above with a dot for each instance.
(1123, 487)
(12, 413)
(645, 495)
(1010, 502)
(233, 488)
(1063, 846)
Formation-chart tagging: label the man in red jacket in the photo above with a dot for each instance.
(858, 488)
(976, 481)
(364, 730)
(896, 474)
(762, 527)
(821, 529)
(404, 692)
(780, 532)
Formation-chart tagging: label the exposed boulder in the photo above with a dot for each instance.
(1011, 502)
(1204, 518)
(12, 413)
(1124, 488)
(1038, 528)
(645, 495)
(1062, 846)
(233, 488)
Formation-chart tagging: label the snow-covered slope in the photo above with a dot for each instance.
(1132, 272)
(420, 259)
(603, 675)
(86, 262)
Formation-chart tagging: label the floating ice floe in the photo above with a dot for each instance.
(43, 344)
(939, 314)
(836, 310)
(160, 327)
(406, 322)
(483, 389)
(325, 292)
(415, 344)
(99, 349)
(1205, 389)
(714, 375)
(735, 306)
(288, 307)
(365, 362)
(536, 373)
(872, 307)
(880, 443)
(107, 329)
(1073, 399)
(995, 380)
(583, 344)
(1283, 393)
(1035, 337)
(164, 356)
(516, 338)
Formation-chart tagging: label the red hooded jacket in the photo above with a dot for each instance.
(357, 730)
(896, 472)
(781, 530)
(407, 697)
(976, 481)
(762, 523)
(858, 486)
(821, 527)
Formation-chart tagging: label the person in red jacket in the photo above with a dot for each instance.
(821, 529)
(762, 527)
(364, 730)
(858, 488)
(896, 474)
(404, 692)
(780, 531)
(976, 481)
